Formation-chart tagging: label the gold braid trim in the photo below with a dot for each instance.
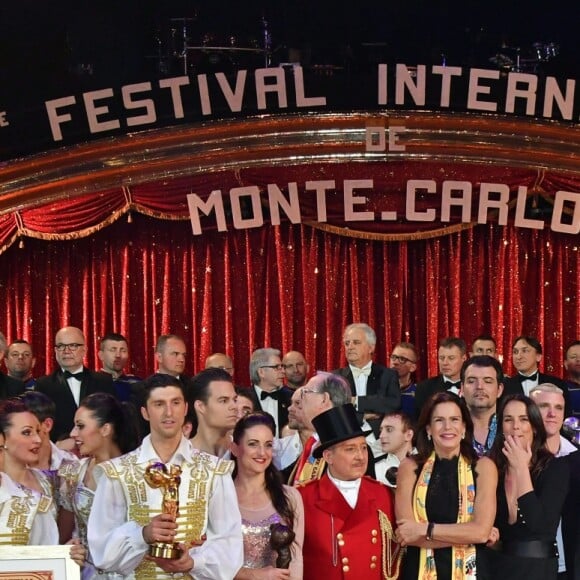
(391, 560)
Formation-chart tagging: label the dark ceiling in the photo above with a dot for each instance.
(60, 44)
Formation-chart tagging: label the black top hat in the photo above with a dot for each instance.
(336, 425)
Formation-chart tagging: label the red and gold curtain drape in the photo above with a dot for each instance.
(291, 287)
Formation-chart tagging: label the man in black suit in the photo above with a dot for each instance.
(9, 387)
(71, 382)
(374, 387)
(267, 390)
(114, 356)
(571, 521)
(450, 357)
(527, 354)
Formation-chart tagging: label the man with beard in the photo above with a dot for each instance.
(296, 369)
(481, 387)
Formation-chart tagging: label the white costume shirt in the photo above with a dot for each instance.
(43, 531)
(118, 545)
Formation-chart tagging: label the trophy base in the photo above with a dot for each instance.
(165, 551)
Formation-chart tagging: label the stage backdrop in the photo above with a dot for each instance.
(291, 286)
(100, 236)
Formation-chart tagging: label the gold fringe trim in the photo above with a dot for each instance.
(376, 236)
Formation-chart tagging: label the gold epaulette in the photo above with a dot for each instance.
(69, 469)
(44, 504)
(298, 484)
(109, 468)
(224, 466)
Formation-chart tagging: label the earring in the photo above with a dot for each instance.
(429, 436)
(463, 436)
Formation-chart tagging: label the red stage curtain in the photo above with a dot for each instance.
(291, 286)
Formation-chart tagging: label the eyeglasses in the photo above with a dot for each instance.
(401, 359)
(279, 367)
(304, 391)
(73, 346)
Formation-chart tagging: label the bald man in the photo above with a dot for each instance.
(219, 360)
(71, 382)
(296, 369)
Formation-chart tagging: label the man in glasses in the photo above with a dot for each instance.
(404, 361)
(268, 390)
(296, 369)
(71, 382)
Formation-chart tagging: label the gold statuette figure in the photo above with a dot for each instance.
(168, 478)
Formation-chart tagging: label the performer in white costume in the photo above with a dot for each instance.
(127, 516)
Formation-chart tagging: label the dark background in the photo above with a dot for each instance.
(51, 46)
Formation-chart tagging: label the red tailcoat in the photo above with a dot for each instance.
(341, 542)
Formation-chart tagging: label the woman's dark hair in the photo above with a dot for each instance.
(7, 408)
(274, 484)
(540, 454)
(107, 409)
(425, 445)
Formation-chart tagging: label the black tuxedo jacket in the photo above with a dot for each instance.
(10, 387)
(56, 387)
(283, 404)
(426, 389)
(513, 385)
(571, 521)
(383, 393)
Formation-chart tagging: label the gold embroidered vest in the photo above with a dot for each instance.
(144, 502)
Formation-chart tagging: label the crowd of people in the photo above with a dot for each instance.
(359, 471)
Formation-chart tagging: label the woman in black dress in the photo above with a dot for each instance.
(532, 488)
(445, 498)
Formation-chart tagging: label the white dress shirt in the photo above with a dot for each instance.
(269, 405)
(75, 385)
(117, 544)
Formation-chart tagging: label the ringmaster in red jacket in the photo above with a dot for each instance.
(349, 518)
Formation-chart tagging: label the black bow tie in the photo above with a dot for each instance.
(450, 385)
(533, 377)
(274, 394)
(78, 376)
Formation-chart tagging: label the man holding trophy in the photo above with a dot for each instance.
(166, 510)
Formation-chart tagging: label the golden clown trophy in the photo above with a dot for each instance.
(168, 478)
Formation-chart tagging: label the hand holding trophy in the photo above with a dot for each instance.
(168, 478)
